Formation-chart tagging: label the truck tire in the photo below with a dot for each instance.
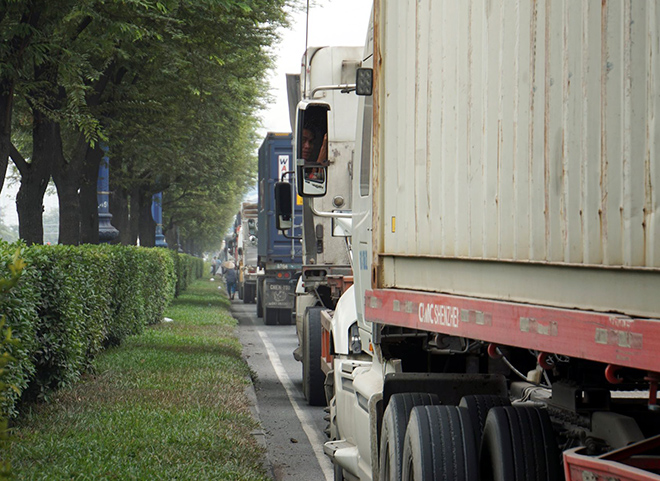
(260, 306)
(440, 445)
(478, 406)
(271, 316)
(247, 291)
(313, 377)
(240, 291)
(519, 445)
(393, 430)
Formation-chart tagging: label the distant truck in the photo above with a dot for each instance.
(247, 242)
(278, 255)
(504, 322)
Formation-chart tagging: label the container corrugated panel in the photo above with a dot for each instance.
(519, 132)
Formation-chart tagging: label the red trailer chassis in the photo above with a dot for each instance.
(612, 339)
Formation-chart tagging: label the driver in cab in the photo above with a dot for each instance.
(308, 139)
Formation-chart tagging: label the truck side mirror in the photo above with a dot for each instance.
(364, 81)
(314, 181)
(252, 227)
(311, 148)
(283, 208)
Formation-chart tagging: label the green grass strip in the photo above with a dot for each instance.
(167, 404)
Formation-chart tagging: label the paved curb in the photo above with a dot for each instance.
(258, 434)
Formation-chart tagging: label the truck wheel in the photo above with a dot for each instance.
(247, 291)
(313, 377)
(519, 444)
(439, 445)
(284, 317)
(271, 316)
(240, 291)
(260, 306)
(393, 430)
(478, 406)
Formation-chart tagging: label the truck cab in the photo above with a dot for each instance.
(323, 113)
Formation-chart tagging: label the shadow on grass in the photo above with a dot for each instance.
(201, 301)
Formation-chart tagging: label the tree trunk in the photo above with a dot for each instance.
(147, 224)
(14, 51)
(189, 246)
(6, 108)
(29, 205)
(171, 237)
(89, 208)
(47, 147)
(67, 176)
(134, 215)
(67, 194)
(119, 211)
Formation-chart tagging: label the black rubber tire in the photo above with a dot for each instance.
(519, 445)
(478, 406)
(271, 316)
(284, 317)
(246, 293)
(440, 445)
(393, 430)
(240, 291)
(313, 376)
(260, 306)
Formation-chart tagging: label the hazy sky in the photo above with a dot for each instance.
(331, 23)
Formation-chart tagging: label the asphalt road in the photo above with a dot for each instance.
(292, 430)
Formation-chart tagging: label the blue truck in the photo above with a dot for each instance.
(279, 257)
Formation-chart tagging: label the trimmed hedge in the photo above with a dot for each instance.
(187, 268)
(73, 301)
(15, 267)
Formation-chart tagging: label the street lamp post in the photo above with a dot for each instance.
(107, 231)
(157, 214)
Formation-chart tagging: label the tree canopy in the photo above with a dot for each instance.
(172, 88)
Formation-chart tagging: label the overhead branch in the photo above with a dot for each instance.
(174, 201)
(19, 161)
(81, 27)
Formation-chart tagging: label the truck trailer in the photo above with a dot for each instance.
(278, 255)
(504, 322)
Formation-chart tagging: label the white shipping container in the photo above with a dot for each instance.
(516, 151)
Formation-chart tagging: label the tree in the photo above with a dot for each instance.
(17, 22)
(173, 87)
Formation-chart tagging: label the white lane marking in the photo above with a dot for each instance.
(305, 419)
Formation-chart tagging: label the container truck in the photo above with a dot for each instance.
(325, 83)
(279, 255)
(247, 251)
(504, 322)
